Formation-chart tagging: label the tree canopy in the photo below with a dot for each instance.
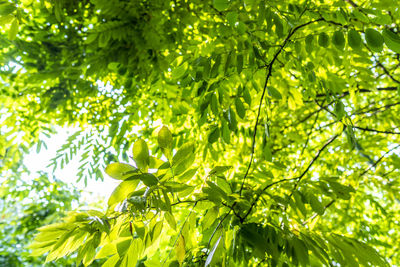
(244, 133)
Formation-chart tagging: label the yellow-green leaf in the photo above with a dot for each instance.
(180, 249)
(221, 5)
(165, 138)
(122, 191)
(12, 33)
(120, 171)
(140, 153)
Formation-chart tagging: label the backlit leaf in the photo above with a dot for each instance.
(374, 40)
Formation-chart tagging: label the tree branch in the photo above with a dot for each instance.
(375, 131)
(269, 73)
(362, 174)
(333, 138)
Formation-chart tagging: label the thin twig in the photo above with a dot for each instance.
(180, 232)
(376, 162)
(216, 228)
(269, 73)
(313, 161)
(362, 174)
(375, 131)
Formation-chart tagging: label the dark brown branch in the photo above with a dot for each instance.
(346, 93)
(333, 138)
(379, 160)
(269, 73)
(376, 109)
(309, 135)
(387, 72)
(261, 193)
(375, 131)
(352, 3)
(362, 174)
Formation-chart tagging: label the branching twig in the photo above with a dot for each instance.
(260, 194)
(375, 131)
(376, 162)
(313, 161)
(387, 72)
(269, 73)
(362, 174)
(216, 228)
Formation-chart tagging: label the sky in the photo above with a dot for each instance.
(39, 161)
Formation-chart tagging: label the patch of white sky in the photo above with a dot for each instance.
(94, 191)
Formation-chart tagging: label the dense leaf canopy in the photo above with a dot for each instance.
(281, 137)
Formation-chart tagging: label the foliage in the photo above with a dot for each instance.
(25, 206)
(283, 126)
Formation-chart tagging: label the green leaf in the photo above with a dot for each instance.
(338, 40)
(226, 134)
(104, 37)
(232, 18)
(155, 163)
(232, 120)
(214, 104)
(228, 62)
(216, 190)
(120, 171)
(140, 153)
(122, 191)
(107, 250)
(186, 176)
(392, 40)
(211, 254)
(210, 217)
(241, 111)
(4, 20)
(215, 67)
(217, 170)
(170, 219)
(179, 71)
(267, 153)
(180, 249)
(12, 33)
(316, 205)
(123, 245)
(246, 96)
(339, 110)
(374, 40)
(221, 5)
(148, 179)
(156, 230)
(165, 138)
(175, 187)
(185, 152)
(309, 43)
(278, 26)
(112, 261)
(6, 8)
(272, 91)
(301, 251)
(323, 39)
(354, 39)
(214, 135)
